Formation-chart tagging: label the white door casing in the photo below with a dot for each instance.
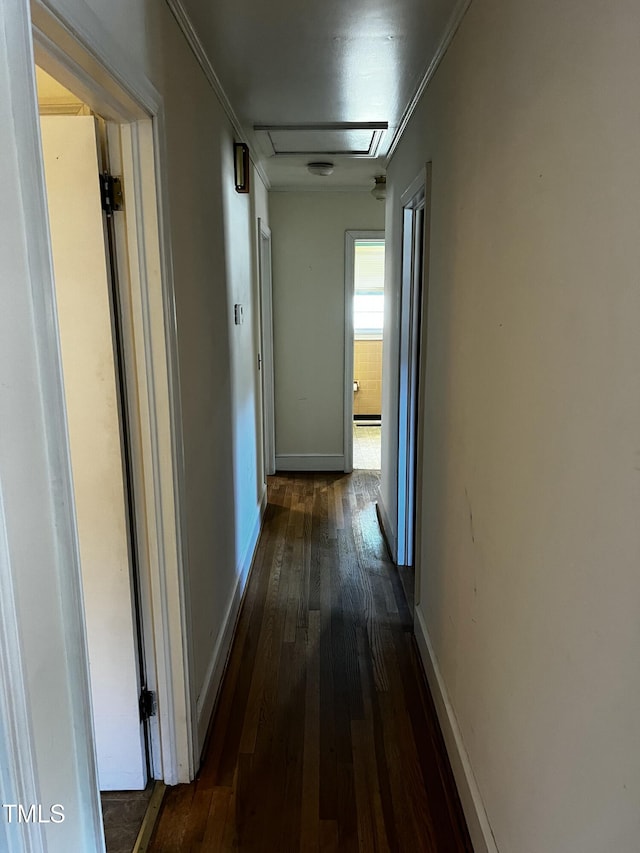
(76, 49)
(266, 335)
(413, 298)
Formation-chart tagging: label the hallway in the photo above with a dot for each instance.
(324, 737)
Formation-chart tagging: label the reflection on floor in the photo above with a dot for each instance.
(366, 447)
(122, 816)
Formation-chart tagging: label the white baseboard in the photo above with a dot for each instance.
(387, 530)
(215, 670)
(473, 807)
(310, 462)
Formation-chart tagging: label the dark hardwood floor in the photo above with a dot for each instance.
(325, 738)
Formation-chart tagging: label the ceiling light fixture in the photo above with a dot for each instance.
(379, 191)
(323, 169)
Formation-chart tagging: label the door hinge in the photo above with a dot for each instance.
(148, 704)
(111, 193)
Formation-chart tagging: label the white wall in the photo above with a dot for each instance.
(529, 566)
(308, 305)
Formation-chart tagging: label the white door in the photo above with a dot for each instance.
(84, 316)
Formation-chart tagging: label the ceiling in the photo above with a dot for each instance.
(330, 80)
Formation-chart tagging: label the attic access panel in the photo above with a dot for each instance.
(353, 140)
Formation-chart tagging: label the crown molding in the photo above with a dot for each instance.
(193, 40)
(451, 29)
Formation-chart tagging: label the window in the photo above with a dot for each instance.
(368, 313)
(368, 303)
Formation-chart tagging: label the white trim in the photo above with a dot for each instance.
(350, 238)
(266, 337)
(130, 271)
(193, 40)
(323, 188)
(451, 29)
(470, 797)
(72, 36)
(366, 336)
(414, 193)
(310, 462)
(387, 528)
(377, 130)
(158, 481)
(173, 591)
(349, 272)
(410, 332)
(217, 663)
(40, 565)
(61, 109)
(18, 781)
(79, 51)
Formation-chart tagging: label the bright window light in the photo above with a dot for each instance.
(368, 313)
(368, 303)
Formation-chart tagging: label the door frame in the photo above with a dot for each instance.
(266, 354)
(350, 239)
(76, 125)
(415, 203)
(134, 113)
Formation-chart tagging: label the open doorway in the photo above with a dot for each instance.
(364, 340)
(90, 321)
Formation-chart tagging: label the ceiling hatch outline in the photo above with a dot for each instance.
(342, 139)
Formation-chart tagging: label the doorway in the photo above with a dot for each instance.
(134, 125)
(89, 326)
(265, 357)
(413, 301)
(364, 313)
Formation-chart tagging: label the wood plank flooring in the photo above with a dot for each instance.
(325, 737)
